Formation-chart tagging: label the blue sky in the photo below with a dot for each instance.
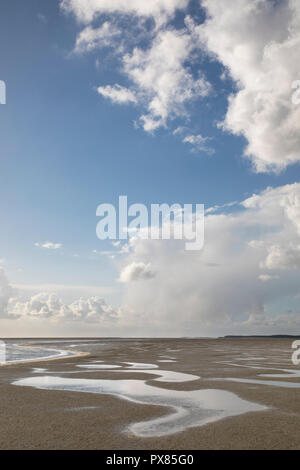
(65, 148)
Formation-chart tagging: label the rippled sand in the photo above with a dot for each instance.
(211, 394)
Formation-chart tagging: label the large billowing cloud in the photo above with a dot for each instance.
(244, 280)
(258, 41)
(232, 284)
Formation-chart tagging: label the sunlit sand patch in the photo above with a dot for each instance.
(188, 408)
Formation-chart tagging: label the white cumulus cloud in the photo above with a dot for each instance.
(259, 43)
(47, 305)
(160, 75)
(282, 257)
(256, 41)
(137, 271)
(220, 288)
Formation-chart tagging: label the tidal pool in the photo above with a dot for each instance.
(98, 366)
(185, 409)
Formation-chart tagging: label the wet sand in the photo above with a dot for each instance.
(32, 418)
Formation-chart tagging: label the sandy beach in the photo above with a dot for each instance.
(35, 418)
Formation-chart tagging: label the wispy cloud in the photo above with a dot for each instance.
(42, 18)
(117, 94)
(49, 245)
(95, 38)
(268, 277)
(199, 143)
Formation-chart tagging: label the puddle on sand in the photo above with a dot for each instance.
(251, 358)
(273, 383)
(164, 375)
(141, 365)
(166, 360)
(287, 374)
(98, 366)
(188, 408)
(81, 408)
(283, 374)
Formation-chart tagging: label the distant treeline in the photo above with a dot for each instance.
(261, 336)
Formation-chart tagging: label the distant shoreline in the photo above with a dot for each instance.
(137, 338)
(260, 336)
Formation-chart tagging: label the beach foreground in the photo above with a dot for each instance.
(151, 394)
